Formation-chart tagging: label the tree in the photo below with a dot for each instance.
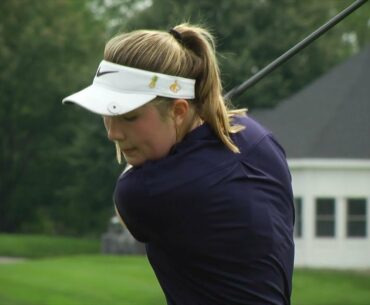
(253, 33)
(47, 49)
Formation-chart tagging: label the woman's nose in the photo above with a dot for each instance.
(114, 131)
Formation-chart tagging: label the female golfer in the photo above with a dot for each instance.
(209, 189)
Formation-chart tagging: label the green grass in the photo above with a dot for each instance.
(80, 280)
(66, 278)
(331, 287)
(129, 280)
(18, 245)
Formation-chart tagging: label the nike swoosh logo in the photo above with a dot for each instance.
(98, 73)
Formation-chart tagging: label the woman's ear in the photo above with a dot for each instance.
(180, 110)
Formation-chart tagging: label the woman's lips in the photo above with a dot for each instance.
(128, 150)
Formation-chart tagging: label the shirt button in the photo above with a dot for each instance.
(114, 108)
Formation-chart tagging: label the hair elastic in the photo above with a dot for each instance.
(176, 35)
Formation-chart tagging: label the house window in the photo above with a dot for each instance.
(325, 217)
(356, 217)
(298, 217)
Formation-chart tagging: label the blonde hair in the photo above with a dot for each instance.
(189, 54)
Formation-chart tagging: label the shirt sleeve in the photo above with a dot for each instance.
(130, 198)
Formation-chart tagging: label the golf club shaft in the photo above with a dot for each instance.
(237, 91)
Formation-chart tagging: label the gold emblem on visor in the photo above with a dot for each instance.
(175, 87)
(153, 82)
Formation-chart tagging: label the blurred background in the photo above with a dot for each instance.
(58, 170)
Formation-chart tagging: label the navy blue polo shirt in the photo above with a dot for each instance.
(218, 225)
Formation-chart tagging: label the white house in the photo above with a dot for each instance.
(325, 131)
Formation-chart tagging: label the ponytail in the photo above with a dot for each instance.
(209, 101)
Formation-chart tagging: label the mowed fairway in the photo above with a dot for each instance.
(67, 271)
(129, 280)
(331, 287)
(80, 280)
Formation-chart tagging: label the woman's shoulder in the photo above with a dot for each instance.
(128, 183)
(252, 133)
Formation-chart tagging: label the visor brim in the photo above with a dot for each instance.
(107, 102)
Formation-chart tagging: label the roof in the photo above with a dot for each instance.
(330, 118)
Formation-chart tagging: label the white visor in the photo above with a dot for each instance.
(118, 89)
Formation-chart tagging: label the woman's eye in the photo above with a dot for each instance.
(130, 118)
